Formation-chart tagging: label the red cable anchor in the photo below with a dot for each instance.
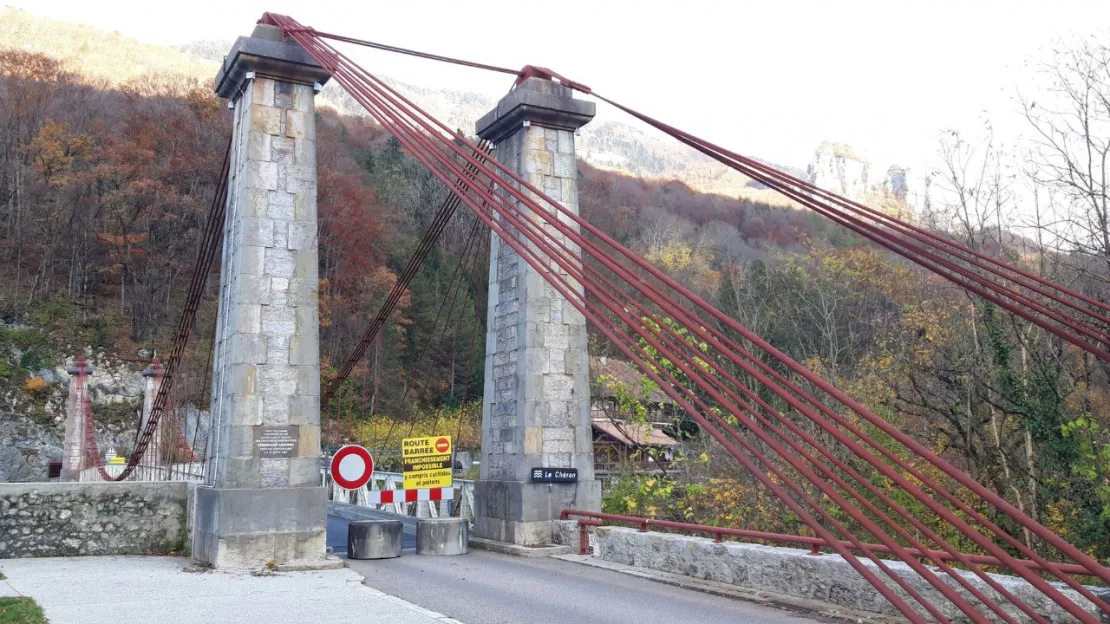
(534, 71)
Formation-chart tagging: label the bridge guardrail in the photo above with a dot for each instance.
(461, 506)
(587, 519)
(192, 471)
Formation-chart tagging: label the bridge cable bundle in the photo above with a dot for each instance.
(648, 315)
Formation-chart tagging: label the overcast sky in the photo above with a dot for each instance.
(771, 79)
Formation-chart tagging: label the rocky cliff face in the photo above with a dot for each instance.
(32, 433)
(838, 168)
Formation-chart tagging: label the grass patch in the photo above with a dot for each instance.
(21, 611)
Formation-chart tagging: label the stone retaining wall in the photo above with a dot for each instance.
(793, 572)
(67, 519)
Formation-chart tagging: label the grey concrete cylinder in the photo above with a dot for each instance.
(374, 539)
(442, 536)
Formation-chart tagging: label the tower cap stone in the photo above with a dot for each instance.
(539, 101)
(269, 55)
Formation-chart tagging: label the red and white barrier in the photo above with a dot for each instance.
(384, 497)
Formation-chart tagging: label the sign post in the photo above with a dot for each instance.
(351, 467)
(426, 462)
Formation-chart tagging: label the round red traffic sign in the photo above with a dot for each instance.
(351, 467)
(443, 445)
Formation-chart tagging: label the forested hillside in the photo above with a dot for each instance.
(106, 179)
(106, 176)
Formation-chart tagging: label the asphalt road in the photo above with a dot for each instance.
(487, 588)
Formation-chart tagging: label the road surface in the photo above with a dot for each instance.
(487, 588)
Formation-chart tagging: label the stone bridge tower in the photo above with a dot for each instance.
(536, 411)
(265, 501)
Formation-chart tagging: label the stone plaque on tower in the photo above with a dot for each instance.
(536, 411)
(263, 460)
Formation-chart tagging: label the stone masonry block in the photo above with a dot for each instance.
(251, 259)
(279, 262)
(240, 442)
(262, 175)
(304, 153)
(244, 409)
(566, 142)
(275, 410)
(259, 146)
(302, 235)
(551, 434)
(304, 410)
(257, 231)
(278, 320)
(308, 379)
(273, 473)
(247, 318)
(262, 92)
(302, 292)
(279, 291)
(257, 201)
(280, 205)
(283, 94)
(303, 98)
(252, 289)
(240, 379)
(306, 265)
(277, 349)
(533, 440)
(305, 471)
(300, 125)
(265, 120)
(277, 380)
(247, 349)
(304, 350)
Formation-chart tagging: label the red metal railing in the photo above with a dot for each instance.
(596, 518)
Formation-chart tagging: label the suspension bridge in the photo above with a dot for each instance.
(855, 480)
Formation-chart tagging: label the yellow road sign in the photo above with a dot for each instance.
(426, 462)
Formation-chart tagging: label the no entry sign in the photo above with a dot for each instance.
(351, 467)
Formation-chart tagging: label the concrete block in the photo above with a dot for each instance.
(442, 536)
(374, 539)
